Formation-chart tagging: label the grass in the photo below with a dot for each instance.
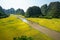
(53, 24)
(13, 27)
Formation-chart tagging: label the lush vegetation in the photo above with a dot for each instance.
(20, 12)
(33, 12)
(53, 10)
(2, 14)
(11, 27)
(23, 38)
(46, 11)
(53, 24)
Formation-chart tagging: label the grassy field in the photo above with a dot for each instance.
(53, 24)
(13, 27)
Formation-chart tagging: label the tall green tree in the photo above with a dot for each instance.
(20, 12)
(2, 13)
(33, 12)
(44, 9)
(54, 10)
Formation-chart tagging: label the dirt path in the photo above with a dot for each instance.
(55, 35)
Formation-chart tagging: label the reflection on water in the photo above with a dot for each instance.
(24, 20)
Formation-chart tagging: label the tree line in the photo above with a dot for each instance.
(45, 11)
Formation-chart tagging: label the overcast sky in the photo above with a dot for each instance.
(23, 4)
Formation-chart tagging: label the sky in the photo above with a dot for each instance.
(23, 4)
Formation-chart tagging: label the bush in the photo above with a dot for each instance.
(22, 38)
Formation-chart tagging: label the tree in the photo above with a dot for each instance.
(54, 10)
(44, 9)
(2, 13)
(33, 12)
(20, 12)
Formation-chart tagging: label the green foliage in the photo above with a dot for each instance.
(33, 12)
(53, 10)
(50, 11)
(23, 38)
(2, 14)
(20, 12)
(44, 9)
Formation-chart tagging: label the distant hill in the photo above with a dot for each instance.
(9, 11)
(13, 11)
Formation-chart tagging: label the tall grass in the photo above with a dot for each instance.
(13, 27)
(53, 24)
